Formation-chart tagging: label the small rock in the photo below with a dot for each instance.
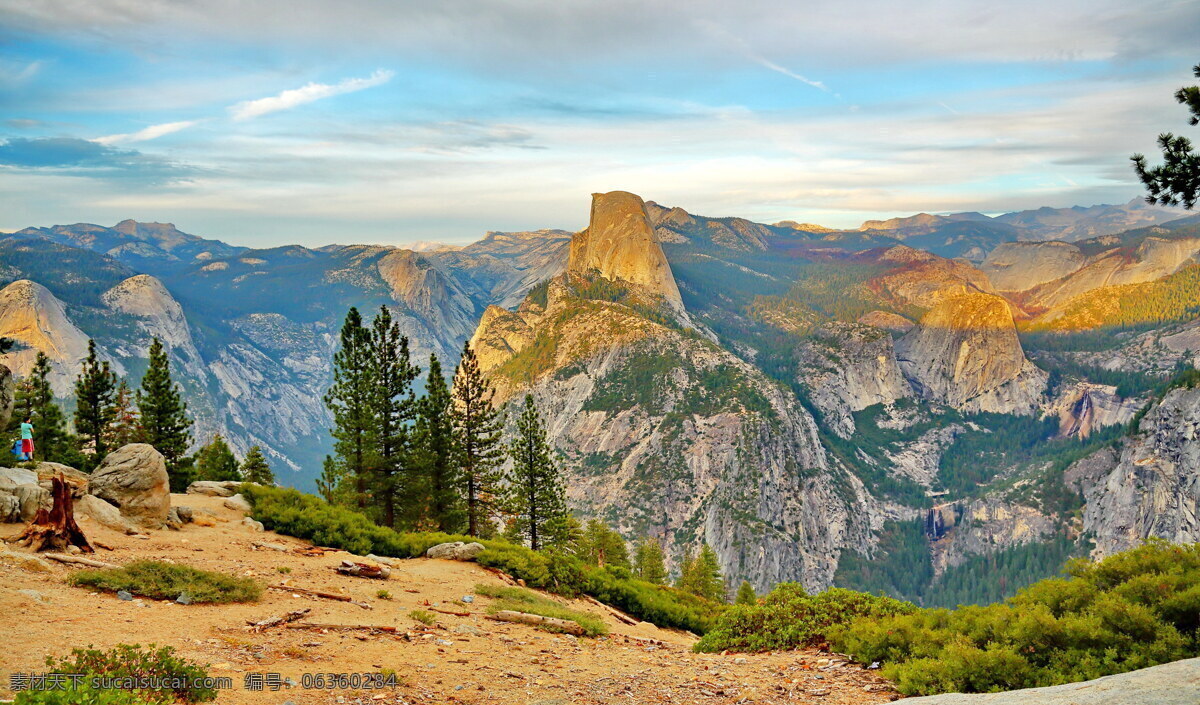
(874, 666)
(237, 503)
(33, 595)
(741, 660)
(468, 599)
(467, 629)
(443, 642)
(74, 550)
(124, 595)
(254, 525)
(33, 564)
(214, 489)
(184, 599)
(185, 514)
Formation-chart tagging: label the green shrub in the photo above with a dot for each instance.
(1133, 610)
(167, 581)
(121, 662)
(521, 600)
(790, 618)
(427, 618)
(290, 512)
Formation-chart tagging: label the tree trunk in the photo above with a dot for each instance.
(539, 621)
(56, 529)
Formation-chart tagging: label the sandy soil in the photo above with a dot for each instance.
(464, 659)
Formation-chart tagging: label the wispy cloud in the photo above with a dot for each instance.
(307, 94)
(744, 47)
(149, 133)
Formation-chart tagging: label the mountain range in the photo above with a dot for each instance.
(904, 406)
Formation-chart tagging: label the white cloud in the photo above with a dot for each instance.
(307, 94)
(149, 133)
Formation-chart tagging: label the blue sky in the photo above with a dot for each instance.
(278, 122)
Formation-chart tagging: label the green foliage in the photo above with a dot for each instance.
(539, 294)
(642, 383)
(436, 452)
(396, 484)
(521, 600)
(289, 512)
(477, 431)
(535, 495)
(901, 566)
(424, 617)
(95, 408)
(982, 580)
(34, 400)
(216, 462)
(1132, 306)
(701, 575)
(167, 581)
(790, 618)
(351, 401)
(1177, 180)
(1129, 383)
(1133, 610)
(255, 468)
(163, 416)
(649, 562)
(124, 662)
(746, 594)
(601, 546)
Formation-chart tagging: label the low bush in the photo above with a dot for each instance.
(790, 618)
(424, 617)
(104, 671)
(167, 581)
(521, 600)
(290, 512)
(1133, 610)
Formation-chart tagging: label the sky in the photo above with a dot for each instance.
(368, 121)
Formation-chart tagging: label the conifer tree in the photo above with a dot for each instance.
(535, 490)
(649, 562)
(395, 478)
(353, 402)
(329, 484)
(701, 575)
(601, 546)
(477, 433)
(434, 435)
(163, 417)
(746, 594)
(126, 426)
(95, 407)
(216, 462)
(564, 534)
(255, 468)
(34, 400)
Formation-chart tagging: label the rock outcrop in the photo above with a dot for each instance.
(1085, 407)
(1017, 266)
(134, 479)
(620, 244)
(38, 322)
(1152, 486)
(965, 353)
(435, 298)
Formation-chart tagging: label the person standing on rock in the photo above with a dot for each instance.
(27, 439)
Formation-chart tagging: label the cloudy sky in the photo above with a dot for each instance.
(368, 121)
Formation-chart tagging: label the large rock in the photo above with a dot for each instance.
(134, 478)
(32, 316)
(76, 479)
(17, 476)
(10, 508)
(32, 498)
(456, 551)
(237, 503)
(965, 353)
(213, 488)
(103, 513)
(1175, 683)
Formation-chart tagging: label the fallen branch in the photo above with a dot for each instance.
(318, 593)
(281, 547)
(616, 613)
(642, 640)
(451, 612)
(363, 570)
(276, 621)
(344, 627)
(538, 620)
(62, 558)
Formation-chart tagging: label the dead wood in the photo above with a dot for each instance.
(61, 558)
(344, 627)
(318, 593)
(538, 620)
(56, 529)
(277, 621)
(363, 570)
(616, 613)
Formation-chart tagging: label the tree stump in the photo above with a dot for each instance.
(56, 529)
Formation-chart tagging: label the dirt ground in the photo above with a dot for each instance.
(464, 659)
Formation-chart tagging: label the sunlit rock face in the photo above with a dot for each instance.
(37, 321)
(965, 353)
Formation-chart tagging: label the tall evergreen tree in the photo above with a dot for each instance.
(434, 437)
(396, 480)
(649, 562)
(746, 594)
(216, 462)
(353, 402)
(535, 489)
(602, 546)
(701, 575)
(329, 484)
(163, 417)
(477, 433)
(255, 468)
(34, 400)
(95, 404)
(126, 426)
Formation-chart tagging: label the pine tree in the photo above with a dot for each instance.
(353, 402)
(434, 439)
(649, 562)
(126, 426)
(216, 462)
(34, 400)
(395, 478)
(477, 433)
(701, 575)
(535, 490)
(95, 407)
(601, 546)
(746, 594)
(564, 534)
(164, 419)
(329, 484)
(255, 468)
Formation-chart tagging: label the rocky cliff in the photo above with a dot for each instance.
(965, 353)
(38, 322)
